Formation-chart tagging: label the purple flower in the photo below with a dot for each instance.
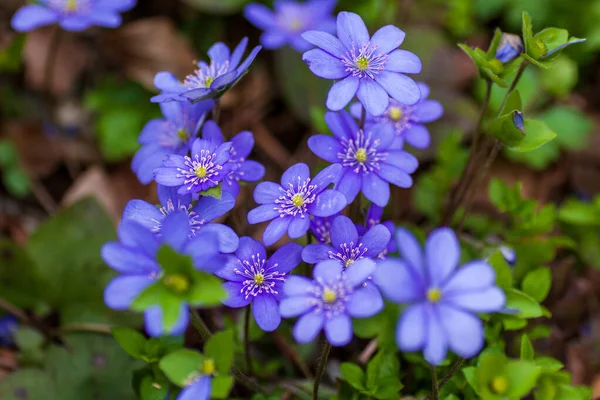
(347, 247)
(170, 135)
(209, 80)
(255, 279)
(408, 120)
(200, 215)
(207, 166)
(443, 297)
(135, 257)
(241, 146)
(291, 204)
(373, 218)
(329, 301)
(509, 48)
(370, 159)
(8, 326)
(200, 388)
(290, 20)
(370, 68)
(321, 228)
(72, 15)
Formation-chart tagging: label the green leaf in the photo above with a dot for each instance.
(159, 295)
(152, 390)
(215, 191)
(221, 386)
(537, 283)
(19, 282)
(387, 388)
(16, 181)
(503, 271)
(133, 342)
(548, 364)
(553, 37)
(30, 384)
(219, 7)
(353, 374)
(508, 129)
(527, 352)
(536, 134)
(527, 31)
(220, 347)
(526, 305)
(181, 366)
(384, 365)
(522, 376)
(572, 126)
(513, 103)
(469, 373)
(207, 290)
(28, 339)
(172, 262)
(561, 79)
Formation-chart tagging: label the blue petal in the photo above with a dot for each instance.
(326, 177)
(352, 30)
(209, 208)
(276, 229)
(194, 95)
(175, 229)
(116, 5)
(342, 92)
(343, 232)
(212, 132)
(250, 249)
(376, 240)
(464, 331)
(143, 213)
(262, 213)
(376, 189)
(242, 144)
(399, 86)
(251, 171)
(484, 301)
(32, 16)
(428, 110)
(244, 66)
(397, 281)
(133, 234)
(358, 272)
(199, 390)
(403, 61)
(349, 185)
(230, 268)
(410, 250)
(384, 133)
(154, 322)
(108, 19)
(298, 227)
(297, 174)
(75, 23)
(168, 194)
(296, 285)
(329, 271)
(266, 312)
(365, 302)
(274, 39)
(126, 260)
(338, 330)
(436, 344)
(228, 240)
(123, 289)
(219, 53)
(475, 275)
(308, 327)
(325, 41)
(313, 253)
(442, 253)
(167, 82)
(373, 97)
(403, 160)
(147, 160)
(327, 203)
(237, 54)
(153, 129)
(286, 258)
(296, 305)
(267, 193)
(387, 38)
(235, 295)
(223, 80)
(326, 147)
(260, 16)
(324, 65)
(411, 331)
(394, 175)
(337, 124)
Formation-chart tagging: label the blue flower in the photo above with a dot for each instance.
(443, 297)
(329, 301)
(135, 257)
(170, 135)
(8, 326)
(321, 228)
(510, 47)
(199, 389)
(241, 146)
(373, 218)
(347, 247)
(290, 20)
(209, 80)
(371, 68)
(72, 15)
(370, 159)
(408, 120)
(254, 278)
(206, 167)
(200, 215)
(291, 204)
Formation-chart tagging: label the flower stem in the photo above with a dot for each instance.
(198, 323)
(321, 369)
(247, 339)
(216, 111)
(363, 117)
(14, 310)
(453, 370)
(434, 383)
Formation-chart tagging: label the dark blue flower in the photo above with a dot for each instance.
(170, 135)
(509, 48)
(241, 146)
(443, 297)
(373, 218)
(206, 167)
(321, 228)
(209, 80)
(408, 120)
(200, 215)
(198, 389)
(346, 245)
(291, 204)
(329, 301)
(290, 19)
(254, 278)
(72, 15)
(370, 159)
(134, 256)
(8, 326)
(372, 68)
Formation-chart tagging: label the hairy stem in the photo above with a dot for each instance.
(200, 326)
(247, 339)
(321, 369)
(434, 383)
(454, 368)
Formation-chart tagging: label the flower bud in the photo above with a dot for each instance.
(509, 48)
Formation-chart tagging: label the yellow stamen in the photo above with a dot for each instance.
(348, 262)
(71, 5)
(209, 81)
(178, 283)
(499, 385)
(329, 296)
(259, 278)
(362, 63)
(182, 134)
(208, 367)
(200, 171)
(361, 155)
(395, 113)
(297, 200)
(434, 295)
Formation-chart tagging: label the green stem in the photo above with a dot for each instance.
(453, 370)
(434, 383)
(321, 369)
(247, 339)
(514, 83)
(200, 326)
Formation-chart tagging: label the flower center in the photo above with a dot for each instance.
(71, 5)
(295, 199)
(209, 80)
(366, 61)
(68, 6)
(329, 296)
(182, 134)
(434, 295)
(195, 221)
(361, 154)
(499, 385)
(200, 168)
(208, 367)
(295, 24)
(200, 171)
(179, 284)
(204, 76)
(348, 253)
(395, 114)
(259, 279)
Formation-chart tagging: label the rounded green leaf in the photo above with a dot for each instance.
(181, 366)
(220, 348)
(536, 134)
(522, 376)
(133, 342)
(526, 305)
(537, 283)
(353, 374)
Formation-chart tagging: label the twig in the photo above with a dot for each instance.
(368, 352)
(434, 383)
(85, 327)
(14, 310)
(292, 354)
(321, 369)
